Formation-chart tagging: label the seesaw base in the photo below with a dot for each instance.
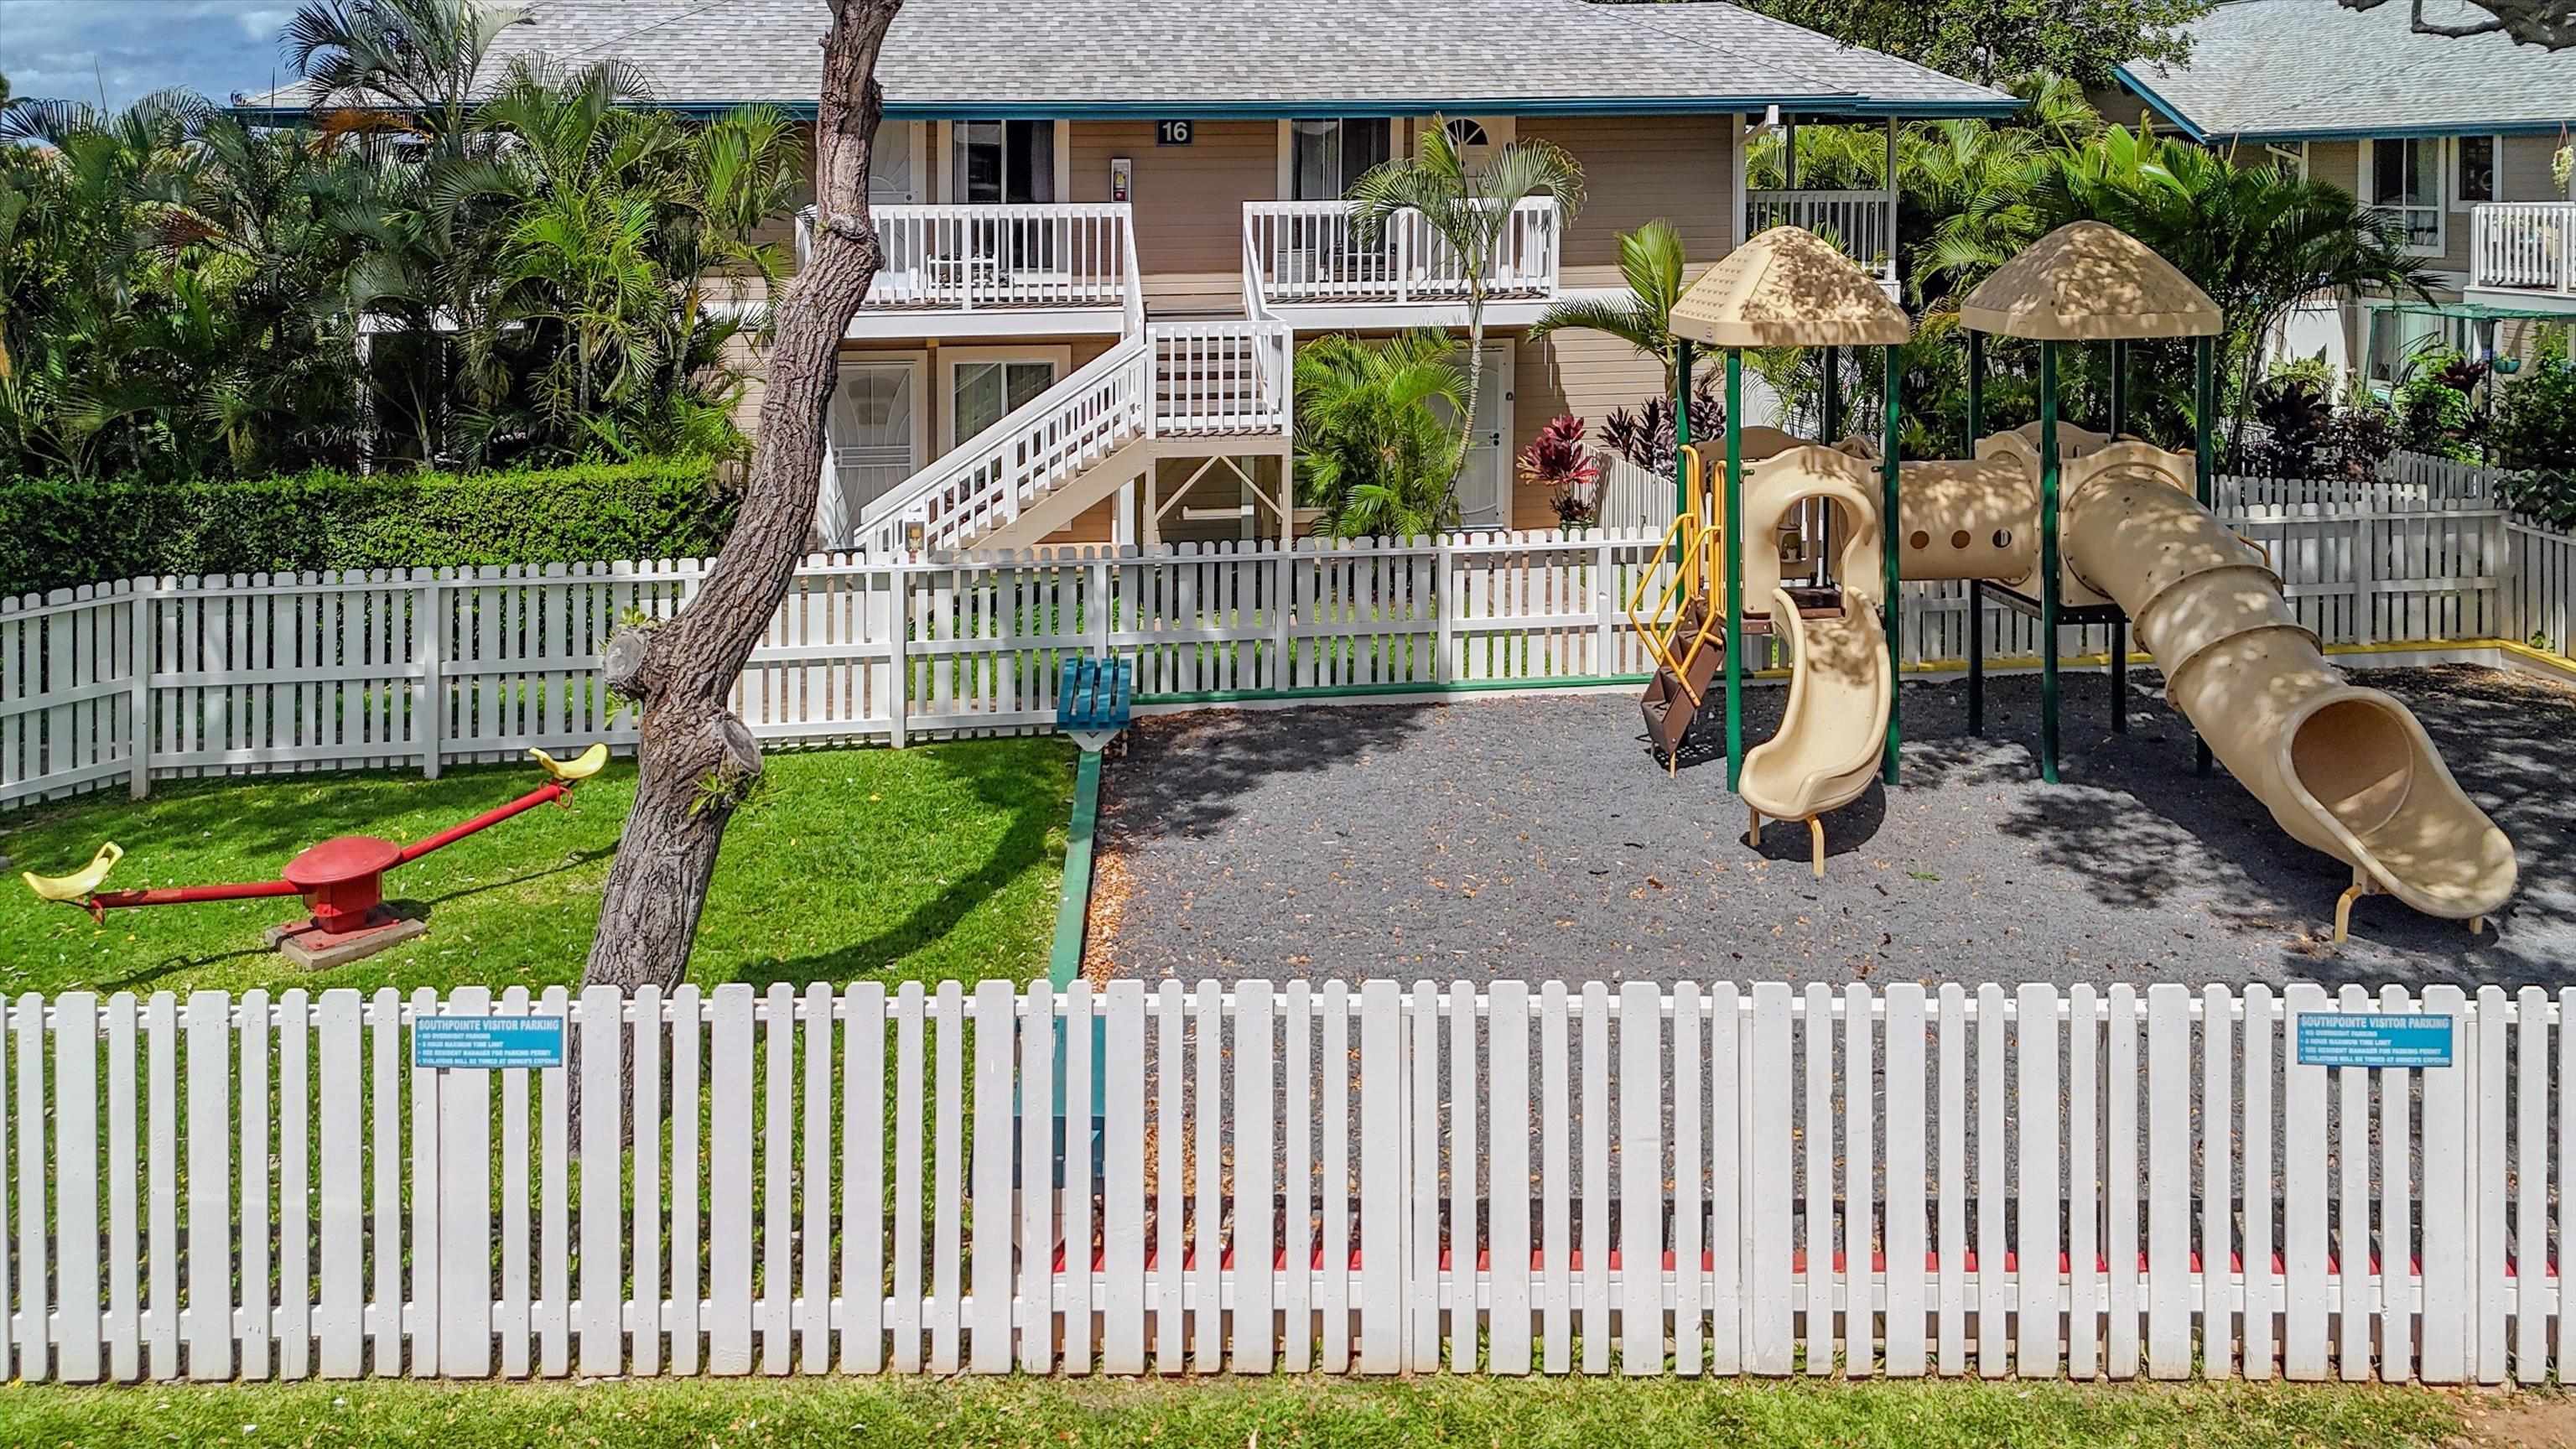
(309, 946)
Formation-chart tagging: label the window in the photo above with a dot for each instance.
(1009, 161)
(2401, 337)
(2473, 171)
(2405, 175)
(1328, 155)
(1467, 131)
(986, 385)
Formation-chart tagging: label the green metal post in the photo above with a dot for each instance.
(1890, 611)
(1976, 388)
(2119, 387)
(1681, 424)
(2204, 406)
(2048, 564)
(1976, 590)
(1732, 544)
(1832, 427)
(2120, 630)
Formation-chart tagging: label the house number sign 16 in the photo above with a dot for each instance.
(1171, 133)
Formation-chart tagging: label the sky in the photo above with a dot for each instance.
(75, 49)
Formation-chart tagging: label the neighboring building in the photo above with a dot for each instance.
(1105, 219)
(2450, 137)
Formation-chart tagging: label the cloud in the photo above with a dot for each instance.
(79, 49)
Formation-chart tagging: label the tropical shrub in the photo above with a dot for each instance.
(57, 533)
(2534, 439)
(1644, 434)
(1373, 453)
(2437, 405)
(1557, 461)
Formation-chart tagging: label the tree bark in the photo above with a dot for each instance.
(696, 762)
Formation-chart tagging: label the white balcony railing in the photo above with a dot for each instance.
(1310, 252)
(1861, 223)
(2524, 246)
(960, 258)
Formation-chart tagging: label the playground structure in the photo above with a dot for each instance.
(2069, 526)
(341, 880)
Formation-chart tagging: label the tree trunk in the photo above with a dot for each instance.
(1475, 386)
(696, 762)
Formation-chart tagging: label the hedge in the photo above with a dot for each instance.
(55, 534)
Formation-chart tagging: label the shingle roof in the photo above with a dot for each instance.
(2286, 69)
(1260, 57)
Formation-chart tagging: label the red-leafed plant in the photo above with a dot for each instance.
(1557, 461)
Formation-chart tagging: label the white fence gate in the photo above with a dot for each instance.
(1641, 1180)
(157, 678)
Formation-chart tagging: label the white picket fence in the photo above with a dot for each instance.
(1633, 1180)
(156, 678)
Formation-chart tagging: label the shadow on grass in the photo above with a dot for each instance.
(1034, 810)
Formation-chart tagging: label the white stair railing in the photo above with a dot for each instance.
(1204, 380)
(984, 482)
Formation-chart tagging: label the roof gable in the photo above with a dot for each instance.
(2293, 69)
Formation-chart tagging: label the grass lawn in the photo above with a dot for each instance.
(891, 865)
(1540, 1413)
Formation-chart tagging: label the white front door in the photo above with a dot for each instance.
(1485, 479)
(875, 427)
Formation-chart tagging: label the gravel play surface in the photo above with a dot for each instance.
(1536, 838)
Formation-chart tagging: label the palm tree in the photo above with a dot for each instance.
(2258, 239)
(1470, 211)
(1370, 451)
(1651, 261)
(413, 61)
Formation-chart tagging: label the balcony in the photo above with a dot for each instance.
(1861, 224)
(1305, 260)
(989, 269)
(2523, 253)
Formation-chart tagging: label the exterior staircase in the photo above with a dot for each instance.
(1165, 390)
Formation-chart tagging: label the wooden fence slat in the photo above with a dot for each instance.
(1906, 1182)
(2487, 1187)
(1207, 1213)
(863, 1180)
(464, 1185)
(644, 1252)
(1171, 1221)
(2261, 1301)
(2217, 1175)
(1334, 1292)
(2120, 1145)
(124, 1242)
(420, 1327)
(2357, 1302)
(1083, 1118)
(600, 1326)
(1690, 1166)
(1729, 1106)
(554, 1232)
(1122, 1156)
(1994, 1165)
(1816, 1239)
(1953, 1321)
(208, 1020)
(1556, 1225)
(947, 1181)
(1036, 1179)
(1641, 1182)
(2303, 1198)
(1382, 1309)
(1593, 1275)
(512, 1326)
(2168, 1177)
(76, 1264)
(2038, 1240)
(2084, 1182)
(988, 1333)
(729, 1180)
(1770, 1345)
(2397, 1297)
(340, 1326)
(1253, 1348)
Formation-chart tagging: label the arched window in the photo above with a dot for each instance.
(1467, 131)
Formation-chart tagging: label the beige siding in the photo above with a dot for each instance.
(2336, 161)
(2525, 170)
(1189, 203)
(1584, 373)
(1639, 168)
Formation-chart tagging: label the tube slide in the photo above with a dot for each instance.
(2345, 770)
(1826, 751)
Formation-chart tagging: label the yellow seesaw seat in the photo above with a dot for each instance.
(575, 770)
(81, 884)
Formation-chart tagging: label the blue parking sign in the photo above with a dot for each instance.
(2336, 1039)
(487, 1043)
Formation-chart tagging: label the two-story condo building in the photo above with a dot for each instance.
(2450, 137)
(1107, 222)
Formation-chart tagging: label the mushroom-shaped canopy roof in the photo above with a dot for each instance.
(2087, 282)
(1788, 287)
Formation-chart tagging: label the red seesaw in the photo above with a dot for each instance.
(342, 879)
